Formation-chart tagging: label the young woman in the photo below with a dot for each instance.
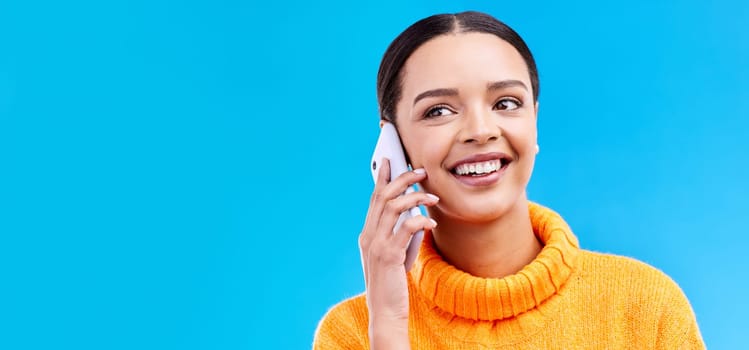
(494, 270)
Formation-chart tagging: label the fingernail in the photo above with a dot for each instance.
(433, 197)
(419, 171)
(434, 223)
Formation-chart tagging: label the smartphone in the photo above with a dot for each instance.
(389, 146)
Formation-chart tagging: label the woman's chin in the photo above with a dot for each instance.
(478, 211)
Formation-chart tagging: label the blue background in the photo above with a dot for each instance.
(193, 175)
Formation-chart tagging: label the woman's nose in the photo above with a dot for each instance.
(480, 127)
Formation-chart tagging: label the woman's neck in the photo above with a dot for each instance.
(491, 250)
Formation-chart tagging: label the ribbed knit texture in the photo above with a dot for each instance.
(566, 298)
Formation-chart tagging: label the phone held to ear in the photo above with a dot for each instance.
(389, 146)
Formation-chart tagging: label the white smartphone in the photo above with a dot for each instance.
(389, 146)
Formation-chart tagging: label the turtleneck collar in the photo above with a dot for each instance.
(477, 298)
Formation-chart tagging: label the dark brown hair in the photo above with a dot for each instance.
(389, 80)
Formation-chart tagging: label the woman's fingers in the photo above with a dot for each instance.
(391, 251)
(408, 228)
(385, 247)
(386, 190)
(380, 240)
(376, 201)
(388, 201)
(382, 194)
(396, 206)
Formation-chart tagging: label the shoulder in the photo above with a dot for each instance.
(644, 294)
(344, 326)
(621, 266)
(628, 274)
(629, 279)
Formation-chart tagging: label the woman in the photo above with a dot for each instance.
(494, 270)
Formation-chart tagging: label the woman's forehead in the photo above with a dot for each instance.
(463, 59)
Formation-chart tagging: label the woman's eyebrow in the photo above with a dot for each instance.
(499, 85)
(436, 93)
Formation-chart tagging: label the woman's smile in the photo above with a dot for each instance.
(481, 169)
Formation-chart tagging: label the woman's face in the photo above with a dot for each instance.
(467, 116)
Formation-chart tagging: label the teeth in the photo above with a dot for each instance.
(478, 168)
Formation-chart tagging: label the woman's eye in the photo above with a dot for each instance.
(507, 104)
(438, 112)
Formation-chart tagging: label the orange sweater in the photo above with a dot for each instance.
(566, 298)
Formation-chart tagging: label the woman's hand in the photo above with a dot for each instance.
(384, 254)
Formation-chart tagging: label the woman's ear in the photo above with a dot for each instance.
(382, 122)
(536, 112)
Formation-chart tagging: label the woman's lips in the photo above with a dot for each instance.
(476, 158)
(484, 179)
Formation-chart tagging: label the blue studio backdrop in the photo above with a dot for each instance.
(194, 175)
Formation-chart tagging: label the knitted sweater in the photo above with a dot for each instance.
(567, 298)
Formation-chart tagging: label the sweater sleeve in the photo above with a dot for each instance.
(677, 327)
(345, 326)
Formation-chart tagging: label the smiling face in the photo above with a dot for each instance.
(467, 116)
